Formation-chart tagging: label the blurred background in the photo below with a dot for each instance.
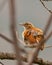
(26, 10)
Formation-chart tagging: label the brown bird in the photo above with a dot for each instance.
(32, 35)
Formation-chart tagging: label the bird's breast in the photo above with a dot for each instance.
(32, 35)
(31, 39)
(29, 36)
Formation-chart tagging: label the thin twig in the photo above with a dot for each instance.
(48, 36)
(49, 20)
(48, 46)
(6, 38)
(48, 25)
(45, 7)
(11, 42)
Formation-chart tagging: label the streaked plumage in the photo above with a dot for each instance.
(32, 35)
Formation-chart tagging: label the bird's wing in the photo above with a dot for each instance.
(26, 34)
(40, 32)
(37, 34)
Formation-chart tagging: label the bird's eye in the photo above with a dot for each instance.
(38, 35)
(26, 23)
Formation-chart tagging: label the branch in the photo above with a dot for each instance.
(6, 38)
(46, 38)
(13, 31)
(11, 42)
(45, 7)
(49, 22)
(11, 56)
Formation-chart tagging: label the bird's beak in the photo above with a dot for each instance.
(21, 24)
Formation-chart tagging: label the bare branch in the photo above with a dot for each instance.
(45, 7)
(13, 31)
(48, 36)
(10, 41)
(48, 46)
(6, 38)
(11, 56)
(48, 25)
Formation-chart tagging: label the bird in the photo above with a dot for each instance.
(32, 35)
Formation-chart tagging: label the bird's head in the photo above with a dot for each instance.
(27, 25)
